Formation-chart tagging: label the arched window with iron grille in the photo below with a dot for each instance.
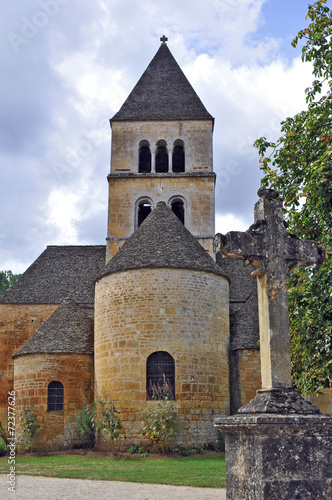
(160, 376)
(55, 396)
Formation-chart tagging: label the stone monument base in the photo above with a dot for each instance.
(278, 457)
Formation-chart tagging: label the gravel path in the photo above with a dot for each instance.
(51, 488)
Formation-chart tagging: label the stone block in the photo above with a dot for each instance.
(278, 457)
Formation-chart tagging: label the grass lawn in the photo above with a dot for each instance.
(190, 471)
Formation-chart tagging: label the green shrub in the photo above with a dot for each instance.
(3, 434)
(161, 424)
(94, 418)
(133, 448)
(86, 422)
(3, 448)
(29, 425)
(109, 421)
(185, 452)
(200, 451)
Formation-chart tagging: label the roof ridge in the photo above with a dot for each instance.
(76, 246)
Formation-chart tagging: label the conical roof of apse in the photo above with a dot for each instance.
(67, 330)
(163, 93)
(161, 241)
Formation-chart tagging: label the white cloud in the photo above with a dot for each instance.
(229, 222)
(62, 213)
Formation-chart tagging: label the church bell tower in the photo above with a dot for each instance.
(161, 151)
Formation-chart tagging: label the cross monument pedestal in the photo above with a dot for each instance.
(279, 445)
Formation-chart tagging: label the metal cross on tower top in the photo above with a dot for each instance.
(164, 39)
(273, 252)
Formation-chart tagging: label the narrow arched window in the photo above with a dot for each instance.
(161, 157)
(160, 376)
(178, 156)
(55, 396)
(144, 209)
(144, 163)
(178, 209)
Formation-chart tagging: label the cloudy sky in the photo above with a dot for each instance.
(68, 65)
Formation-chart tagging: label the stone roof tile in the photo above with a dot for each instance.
(161, 241)
(163, 93)
(58, 272)
(67, 330)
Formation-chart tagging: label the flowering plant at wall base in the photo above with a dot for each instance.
(109, 422)
(3, 449)
(29, 425)
(3, 435)
(102, 417)
(161, 425)
(86, 422)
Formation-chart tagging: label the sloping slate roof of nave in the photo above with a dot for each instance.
(60, 271)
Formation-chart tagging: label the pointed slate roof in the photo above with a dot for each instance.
(67, 330)
(58, 272)
(161, 241)
(163, 93)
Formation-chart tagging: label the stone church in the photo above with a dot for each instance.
(108, 321)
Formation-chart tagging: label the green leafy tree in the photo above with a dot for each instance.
(7, 278)
(299, 166)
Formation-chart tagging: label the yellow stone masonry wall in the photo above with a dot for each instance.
(180, 311)
(33, 373)
(196, 135)
(19, 322)
(125, 194)
(128, 188)
(249, 368)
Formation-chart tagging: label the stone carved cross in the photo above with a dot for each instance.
(163, 39)
(273, 252)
